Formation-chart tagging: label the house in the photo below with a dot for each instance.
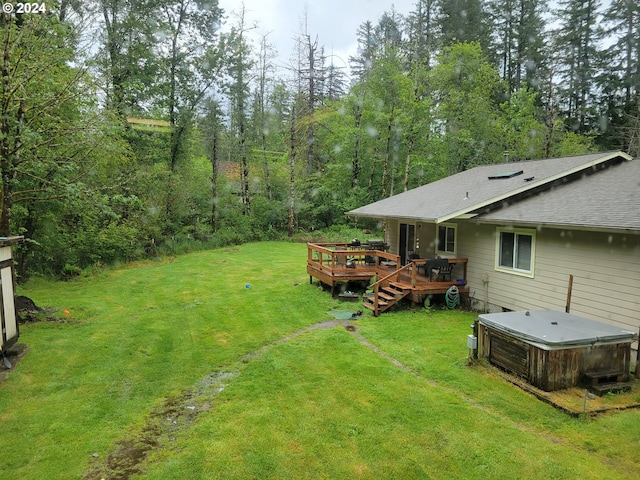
(526, 227)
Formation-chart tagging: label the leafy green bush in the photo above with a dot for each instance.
(70, 271)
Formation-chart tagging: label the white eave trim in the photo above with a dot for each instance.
(559, 226)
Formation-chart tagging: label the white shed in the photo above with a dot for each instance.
(8, 320)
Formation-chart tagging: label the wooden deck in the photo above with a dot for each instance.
(333, 264)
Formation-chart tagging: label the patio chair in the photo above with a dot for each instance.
(412, 256)
(438, 266)
(445, 271)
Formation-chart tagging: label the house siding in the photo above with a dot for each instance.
(392, 234)
(605, 266)
(426, 234)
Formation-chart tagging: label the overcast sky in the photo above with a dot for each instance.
(334, 22)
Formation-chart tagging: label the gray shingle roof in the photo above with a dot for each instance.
(608, 199)
(469, 191)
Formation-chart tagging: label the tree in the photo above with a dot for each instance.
(239, 64)
(126, 60)
(464, 87)
(391, 92)
(260, 110)
(335, 83)
(523, 133)
(620, 80)
(292, 172)
(41, 103)
(576, 44)
(423, 34)
(64, 165)
(366, 52)
(518, 42)
(622, 20)
(388, 33)
(463, 21)
(310, 77)
(212, 129)
(188, 52)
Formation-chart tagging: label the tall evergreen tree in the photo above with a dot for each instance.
(335, 83)
(463, 21)
(388, 33)
(423, 35)
(125, 60)
(622, 23)
(187, 47)
(264, 68)
(620, 81)
(361, 63)
(518, 41)
(239, 65)
(577, 51)
(311, 74)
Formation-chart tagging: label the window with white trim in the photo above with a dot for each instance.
(447, 238)
(515, 250)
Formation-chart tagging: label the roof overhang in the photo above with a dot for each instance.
(532, 186)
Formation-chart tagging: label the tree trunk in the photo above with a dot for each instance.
(311, 107)
(262, 106)
(387, 153)
(292, 173)
(9, 154)
(355, 174)
(244, 166)
(407, 165)
(214, 181)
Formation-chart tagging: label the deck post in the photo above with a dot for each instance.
(375, 300)
(414, 270)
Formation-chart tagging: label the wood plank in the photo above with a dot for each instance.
(148, 121)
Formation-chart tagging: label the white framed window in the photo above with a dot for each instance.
(447, 236)
(515, 251)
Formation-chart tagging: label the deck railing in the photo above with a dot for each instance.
(328, 257)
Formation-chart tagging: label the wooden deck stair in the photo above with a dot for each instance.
(388, 296)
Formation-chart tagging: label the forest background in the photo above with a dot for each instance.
(135, 128)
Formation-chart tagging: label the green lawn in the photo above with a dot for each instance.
(218, 380)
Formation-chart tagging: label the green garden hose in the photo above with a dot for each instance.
(452, 297)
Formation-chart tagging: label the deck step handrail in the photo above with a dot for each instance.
(376, 286)
(396, 272)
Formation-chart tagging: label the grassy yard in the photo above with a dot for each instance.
(178, 368)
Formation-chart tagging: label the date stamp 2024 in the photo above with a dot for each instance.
(26, 7)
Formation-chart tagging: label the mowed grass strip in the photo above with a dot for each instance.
(318, 405)
(324, 406)
(136, 336)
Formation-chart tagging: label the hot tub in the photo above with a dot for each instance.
(555, 350)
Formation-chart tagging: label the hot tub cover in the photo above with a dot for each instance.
(552, 329)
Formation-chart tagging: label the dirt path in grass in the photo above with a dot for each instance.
(178, 413)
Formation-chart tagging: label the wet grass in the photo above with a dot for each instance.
(180, 365)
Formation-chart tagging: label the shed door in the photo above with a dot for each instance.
(8, 321)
